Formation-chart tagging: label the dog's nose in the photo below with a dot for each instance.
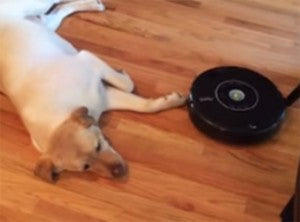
(118, 170)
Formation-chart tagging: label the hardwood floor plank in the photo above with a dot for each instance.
(14, 215)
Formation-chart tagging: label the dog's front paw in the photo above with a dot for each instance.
(175, 99)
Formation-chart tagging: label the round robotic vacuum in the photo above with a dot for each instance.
(236, 105)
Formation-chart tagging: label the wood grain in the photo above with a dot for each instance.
(176, 172)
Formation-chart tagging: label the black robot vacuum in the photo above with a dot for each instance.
(237, 105)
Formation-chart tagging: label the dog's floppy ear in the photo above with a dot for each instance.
(45, 169)
(81, 116)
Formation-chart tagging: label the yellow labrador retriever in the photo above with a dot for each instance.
(58, 90)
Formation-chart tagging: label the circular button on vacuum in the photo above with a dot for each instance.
(236, 95)
(236, 104)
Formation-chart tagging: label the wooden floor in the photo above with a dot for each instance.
(177, 174)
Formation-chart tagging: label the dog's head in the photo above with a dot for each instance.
(78, 145)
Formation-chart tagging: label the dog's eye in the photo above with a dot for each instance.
(98, 148)
(86, 166)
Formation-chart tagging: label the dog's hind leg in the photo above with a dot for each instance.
(119, 100)
(54, 18)
(29, 8)
(118, 79)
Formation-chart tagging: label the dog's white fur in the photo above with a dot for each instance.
(48, 81)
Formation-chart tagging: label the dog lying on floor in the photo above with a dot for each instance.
(59, 91)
